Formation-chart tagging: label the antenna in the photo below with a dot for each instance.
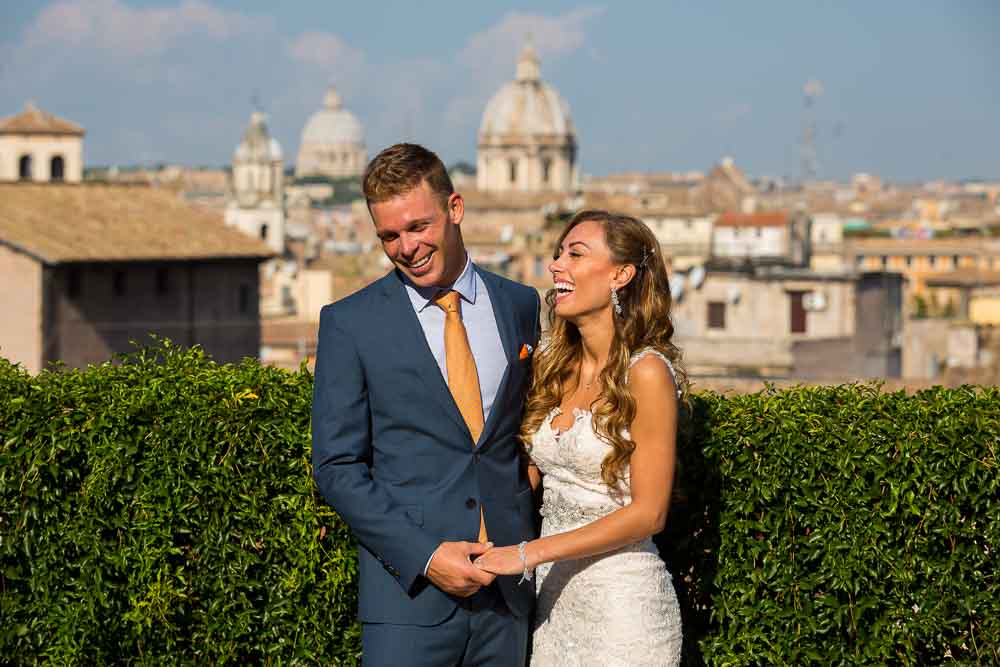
(812, 90)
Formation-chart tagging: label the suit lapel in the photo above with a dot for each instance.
(414, 351)
(504, 314)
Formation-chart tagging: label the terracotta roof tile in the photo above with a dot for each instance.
(35, 121)
(78, 223)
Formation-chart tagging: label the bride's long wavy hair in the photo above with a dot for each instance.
(644, 322)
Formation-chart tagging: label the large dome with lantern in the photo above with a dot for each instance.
(333, 142)
(527, 141)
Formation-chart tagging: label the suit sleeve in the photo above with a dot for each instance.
(341, 454)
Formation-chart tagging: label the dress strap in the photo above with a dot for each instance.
(647, 351)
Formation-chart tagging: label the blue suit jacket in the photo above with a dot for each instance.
(393, 456)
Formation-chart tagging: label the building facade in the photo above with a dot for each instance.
(781, 322)
(36, 146)
(87, 269)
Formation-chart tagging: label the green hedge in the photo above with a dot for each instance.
(841, 526)
(161, 510)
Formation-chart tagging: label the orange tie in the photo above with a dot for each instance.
(463, 378)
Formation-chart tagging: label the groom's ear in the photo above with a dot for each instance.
(455, 208)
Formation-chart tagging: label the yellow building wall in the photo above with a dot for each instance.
(985, 310)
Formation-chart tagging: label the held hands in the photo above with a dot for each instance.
(452, 571)
(504, 560)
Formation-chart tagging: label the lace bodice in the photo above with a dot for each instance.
(617, 608)
(571, 462)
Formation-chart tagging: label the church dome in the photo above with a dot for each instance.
(526, 107)
(333, 125)
(258, 145)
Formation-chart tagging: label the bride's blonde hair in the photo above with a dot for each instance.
(644, 323)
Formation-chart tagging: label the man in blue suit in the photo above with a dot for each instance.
(425, 480)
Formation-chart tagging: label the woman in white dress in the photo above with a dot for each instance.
(600, 426)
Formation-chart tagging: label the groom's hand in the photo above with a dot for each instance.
(452, 571)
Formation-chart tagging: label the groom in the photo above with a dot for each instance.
(420, 381)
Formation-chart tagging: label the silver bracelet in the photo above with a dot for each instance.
(526, 574)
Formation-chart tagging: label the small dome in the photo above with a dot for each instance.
(333, 124)
(258, 145)
(526, 106)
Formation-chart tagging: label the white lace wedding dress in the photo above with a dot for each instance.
(617, 608)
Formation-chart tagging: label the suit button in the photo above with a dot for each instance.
(470, 503)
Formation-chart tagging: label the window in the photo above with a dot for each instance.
(932, 260)
(909, 261)
(716, 315)
(244, 299)
(263, 232)
(73, 283)
(954, 261)
(546, 168)
(24, 168)
(885, 262)
(118, 283)
(513, 171)
(797, 312)
(57, 168)
(539, 266)
(162, 281)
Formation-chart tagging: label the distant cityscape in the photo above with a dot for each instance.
(814, 281)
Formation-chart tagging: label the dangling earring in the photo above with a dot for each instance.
(615, 302)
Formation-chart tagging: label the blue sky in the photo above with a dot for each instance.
(910, 89)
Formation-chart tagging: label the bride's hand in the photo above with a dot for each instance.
(501, 560)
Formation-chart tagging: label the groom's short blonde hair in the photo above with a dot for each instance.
(401, 168)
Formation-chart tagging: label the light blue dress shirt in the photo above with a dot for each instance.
(480, 326)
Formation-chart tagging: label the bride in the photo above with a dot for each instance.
(600, 426)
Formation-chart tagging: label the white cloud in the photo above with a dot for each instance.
(116, 28)
(489, 56)
(174, 82)
(326, 50)
(496, 48)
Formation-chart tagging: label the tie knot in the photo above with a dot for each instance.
(447, 301)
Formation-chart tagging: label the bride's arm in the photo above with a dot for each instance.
(651, 467)
(534, 474)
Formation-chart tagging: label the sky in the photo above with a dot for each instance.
(910, 90)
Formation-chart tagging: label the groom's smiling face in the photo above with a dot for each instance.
(421, 236)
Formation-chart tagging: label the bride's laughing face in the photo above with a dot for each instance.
(583, 272)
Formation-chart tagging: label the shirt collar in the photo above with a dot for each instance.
(465, 285)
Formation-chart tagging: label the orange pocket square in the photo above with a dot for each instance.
(525, 351)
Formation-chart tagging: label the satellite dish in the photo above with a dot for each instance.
(733, 295)
(676, 282)
(696, 276)
(814, 301)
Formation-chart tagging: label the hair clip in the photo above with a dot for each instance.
(646, 255)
